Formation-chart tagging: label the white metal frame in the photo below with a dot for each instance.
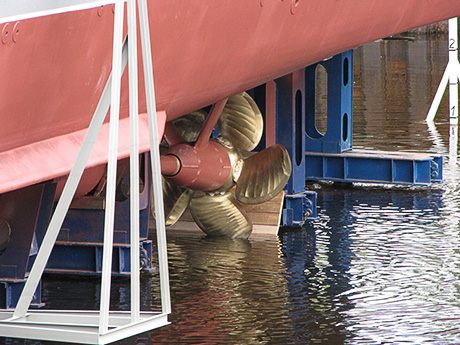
(105, 326)
(451, 76)
(14, 10)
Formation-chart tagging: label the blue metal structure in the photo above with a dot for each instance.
(329, 156)
(35, 205)
(79, 246)
(339, 135)
(289, 113)
(374, 167)
(299, 207)
(78, 249)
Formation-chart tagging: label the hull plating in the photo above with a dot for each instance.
(55, 67)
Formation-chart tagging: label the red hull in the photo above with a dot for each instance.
(55, 68)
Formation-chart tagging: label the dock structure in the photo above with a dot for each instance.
(289, 106)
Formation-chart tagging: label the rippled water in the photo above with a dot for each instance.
(381, 265)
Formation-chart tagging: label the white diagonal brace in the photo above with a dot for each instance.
(134, 161)
(438, 96)
(155, 157)
(111, 168)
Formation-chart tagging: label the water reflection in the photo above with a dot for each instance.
(231, 292)
(318, 274)
(453, 145)
(395, 82)
(393, 245)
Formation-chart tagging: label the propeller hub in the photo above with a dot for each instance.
(206, 168)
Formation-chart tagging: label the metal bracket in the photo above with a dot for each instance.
(299, 208)
(339, 135)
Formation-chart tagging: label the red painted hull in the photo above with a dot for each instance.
(55, 68)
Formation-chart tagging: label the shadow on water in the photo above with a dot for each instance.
(380, 265)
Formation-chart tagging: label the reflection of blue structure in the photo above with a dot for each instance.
(318, 258)
(314, 289)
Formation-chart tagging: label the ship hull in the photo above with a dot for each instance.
(55, 67)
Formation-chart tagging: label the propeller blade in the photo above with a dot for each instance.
(220, 215)
(263, 175)
(176, 200)
(241, 122)
(190, 125)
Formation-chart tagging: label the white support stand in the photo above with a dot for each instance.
(451, 76)
(105, 326)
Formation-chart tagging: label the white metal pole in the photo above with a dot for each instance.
(438, 96)
(111, 169)
(453, 101)
(155, 157)
(134, 161)
(66, 197)
(453, 80)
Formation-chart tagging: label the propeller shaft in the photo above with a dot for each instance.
(206, 168)
(170, 165)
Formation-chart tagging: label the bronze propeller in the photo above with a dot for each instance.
(253, 177)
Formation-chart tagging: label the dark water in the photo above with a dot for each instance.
(381, 265)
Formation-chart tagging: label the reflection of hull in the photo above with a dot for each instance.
(54, 67)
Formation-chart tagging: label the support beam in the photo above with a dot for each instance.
(290, 130)
(339, 135)
(283, 105)
(32, 210)
(415, 169)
